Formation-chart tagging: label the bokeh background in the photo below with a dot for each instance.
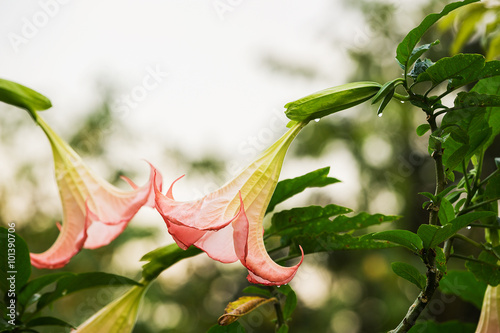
(198, 88)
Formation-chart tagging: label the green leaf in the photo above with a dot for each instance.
(490, 86)
(283, 329)
(386, 89)
(459, 69)
(361, 220)
(235, 327)
(258, 291)
(306, 220)
(291, 301)
(284, 289)
(384, 103)
(446, 212)
(25, 296)
(486, 271)
(464, 220)
(422, 129)
(420, 65)
(447, 327)
(331, 100)
(290, 304)
(440, 260)
(429, 195)
(433, 235)
(14, 260)
(410, 273)
(492, 190)
(48, 321)
(77, 282)
(490, 69)
(23, 97)
(289, 187)
(326, 242)
(164, 257)
(405, 238)
(315, 220)
(464, 285)
(475, 102)
(469, 118)
(406, 53)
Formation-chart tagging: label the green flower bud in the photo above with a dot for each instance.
(327, 101)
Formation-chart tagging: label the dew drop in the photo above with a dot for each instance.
(469, 227)
(380, 115)
(402, 102)
(316, 120)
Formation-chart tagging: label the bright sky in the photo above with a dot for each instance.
(188, 74)
(186, 70)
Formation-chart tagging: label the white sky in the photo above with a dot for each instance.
(214, 93)
(217, 86)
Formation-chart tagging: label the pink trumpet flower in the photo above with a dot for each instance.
(94, 211)
(489, 321)
(227, 224)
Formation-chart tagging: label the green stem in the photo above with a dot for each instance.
(440, 175)
(459, 256)
(468, 240)
(401, 97)
(448, 244)
(466, 179)
(441, 112)
(488, 226)
(280, 319)
(476, 206)
(487, 179)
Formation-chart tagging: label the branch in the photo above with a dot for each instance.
(423, 298)
(433, 277)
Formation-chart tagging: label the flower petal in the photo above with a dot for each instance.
(237, 208)
(208, 213)
(116, 208)
(69, 242)
(215, 238)
(250, 249)
(94, 211)
(489, 321)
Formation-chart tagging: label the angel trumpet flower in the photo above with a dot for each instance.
(489, 321)
(118, 316)
(227, 223)
(94, 211)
